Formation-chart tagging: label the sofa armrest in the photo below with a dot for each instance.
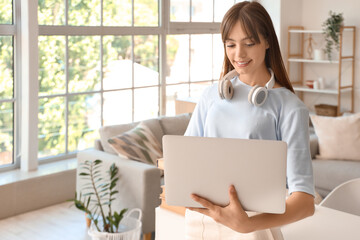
(314, 145)
(98, 145)
(138, 185)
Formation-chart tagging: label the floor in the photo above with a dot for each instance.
(58, 222)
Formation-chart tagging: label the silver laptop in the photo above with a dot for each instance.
(208, 166)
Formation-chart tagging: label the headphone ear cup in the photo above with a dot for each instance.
(251, 93)
(259, 96)
(227, 89)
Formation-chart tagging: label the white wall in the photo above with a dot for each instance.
(311, 14)
(274, 10)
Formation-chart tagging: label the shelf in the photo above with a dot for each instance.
(296, 54)
(317, 61)
(314, 31)
(327, 90)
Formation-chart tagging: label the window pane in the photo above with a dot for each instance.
(146, 13)
(6, 11)
(201, 57)
(84, 63)
(218, 55)
(117, 13)
(177, 48)
(6, 67)
(117, 107)
(146, 66)
(201, 11)
(51, 126)
(180, 10)
(6, 133)
(117, 64)
(84, 121)
(146, 103)
(196, 89)
(51, 65)
(220, 8)
(84, 12)
(173, 93)
(51, 12)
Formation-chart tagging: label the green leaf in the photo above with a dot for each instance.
(88, 194)
(102, 185)
(103, 190)
(97, 162)
(104, 194)
(84, 174)
(113, 184)
(88, 202)
(114, 192)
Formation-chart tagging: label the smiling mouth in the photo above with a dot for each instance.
(242, 63)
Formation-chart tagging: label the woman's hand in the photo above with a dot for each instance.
(232, 215)
(298, 206)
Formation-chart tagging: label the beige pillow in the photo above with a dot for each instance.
(339, 137)
(138, 144)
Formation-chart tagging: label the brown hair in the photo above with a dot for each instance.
(255, 20)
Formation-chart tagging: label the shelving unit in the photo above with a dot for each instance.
(299, 58)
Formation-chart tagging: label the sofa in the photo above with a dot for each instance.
(139, 183)
(330, 173)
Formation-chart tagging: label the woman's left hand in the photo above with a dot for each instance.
(232, 215)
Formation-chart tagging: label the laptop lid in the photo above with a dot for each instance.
(208, 166)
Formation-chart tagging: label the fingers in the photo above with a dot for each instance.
(205, 203)
(200, 210)
(233, 195)
(234, 200)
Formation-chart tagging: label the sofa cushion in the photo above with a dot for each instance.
(138, 144)
(329, 174)
(107, 132)
(175, 125)
(339, 137)
(314, 146)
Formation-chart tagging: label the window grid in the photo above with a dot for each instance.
(164, 28)
(67, 30)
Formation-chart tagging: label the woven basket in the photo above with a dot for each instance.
(326, 110)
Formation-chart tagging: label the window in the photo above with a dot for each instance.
(101, 62)
(7, 83)
(194, 48)
(95, 69)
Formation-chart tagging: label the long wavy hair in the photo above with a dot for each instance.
(255, 20)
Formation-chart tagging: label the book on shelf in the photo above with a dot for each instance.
(160, 163)
(176, 209)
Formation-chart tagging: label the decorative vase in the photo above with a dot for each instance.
(318, 54)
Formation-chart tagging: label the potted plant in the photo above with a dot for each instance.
(100, 193)
(331, 30)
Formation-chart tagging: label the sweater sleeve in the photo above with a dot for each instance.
(294, 129)
(198, 118)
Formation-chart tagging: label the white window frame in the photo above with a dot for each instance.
(14, 30)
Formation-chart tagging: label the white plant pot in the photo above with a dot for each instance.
(129, 229)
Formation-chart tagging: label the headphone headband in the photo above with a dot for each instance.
(270, 84)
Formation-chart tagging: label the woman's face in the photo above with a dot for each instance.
(245, 55)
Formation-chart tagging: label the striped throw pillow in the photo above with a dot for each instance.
(137, 144)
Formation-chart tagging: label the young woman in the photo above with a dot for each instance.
(257, 101)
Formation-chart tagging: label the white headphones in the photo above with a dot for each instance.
(257, 94)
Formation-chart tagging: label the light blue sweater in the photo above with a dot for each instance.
(282, 117)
